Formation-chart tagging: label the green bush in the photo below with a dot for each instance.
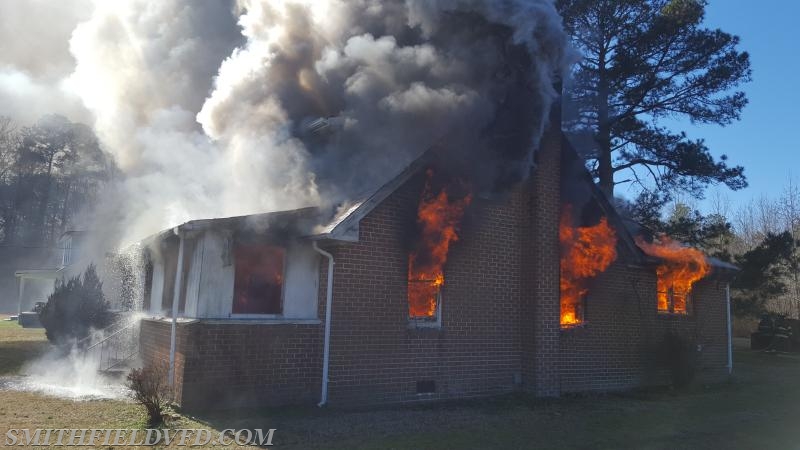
(75, 307)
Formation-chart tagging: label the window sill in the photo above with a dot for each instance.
(168, 319)
(241, 320)
(237, 316)
(424, 324)
(261, 321)
(672, 315)
(574, 327)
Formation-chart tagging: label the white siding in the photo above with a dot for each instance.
(194, 275)
(158, 287)
(215, 282)
(302, 280)
(211, 274)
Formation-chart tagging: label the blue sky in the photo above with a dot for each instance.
(766, 140)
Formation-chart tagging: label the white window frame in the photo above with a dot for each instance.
(427, 322)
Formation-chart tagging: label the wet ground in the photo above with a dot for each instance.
(110, 388)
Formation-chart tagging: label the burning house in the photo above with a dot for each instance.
(428, 289)
(489, 264)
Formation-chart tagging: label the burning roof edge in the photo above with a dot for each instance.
(344, 226)
(237, 222)
(569, 154)
(721, 269)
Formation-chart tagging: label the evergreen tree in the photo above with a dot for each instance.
(763, 275)
(75, 307)
(644, 60)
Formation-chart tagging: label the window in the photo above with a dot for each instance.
(671, 300)
(572, 311)
(259, 275)
(66, 258)
(424, 299)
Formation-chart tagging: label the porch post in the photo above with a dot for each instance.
(176, 295)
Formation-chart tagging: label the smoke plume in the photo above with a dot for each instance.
(212, 108)
(35, 63)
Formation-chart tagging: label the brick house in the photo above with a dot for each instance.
(496, 328)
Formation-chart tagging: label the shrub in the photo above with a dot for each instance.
(678, 355)
(150, 389)
(74, 308)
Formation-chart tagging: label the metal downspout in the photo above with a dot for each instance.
(730, 335)
(176, 294)
(327, 345)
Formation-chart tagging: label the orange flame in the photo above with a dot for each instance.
(681, 268)
(438, 217)
(585, 252)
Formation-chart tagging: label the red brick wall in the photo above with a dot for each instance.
(376, 357)
(541, 321)
(615, 348)
(222, 364)
(154, 340)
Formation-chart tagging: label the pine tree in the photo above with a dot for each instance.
(645, 60)
(75, 307)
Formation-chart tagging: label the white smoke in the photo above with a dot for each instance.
(205, 104)
(35, 63)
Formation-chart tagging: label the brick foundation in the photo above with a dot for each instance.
(230, 364)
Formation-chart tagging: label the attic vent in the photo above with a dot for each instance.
(324, 126)
(426, 386)
(317, 125)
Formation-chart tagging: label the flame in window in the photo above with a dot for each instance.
(438, 217)
(585, 252)
(680, 269)
(258, 280)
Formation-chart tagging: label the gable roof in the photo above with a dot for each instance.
(570, 156)
(344, 225)
(625, 227)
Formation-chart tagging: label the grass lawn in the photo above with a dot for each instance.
(18, 344)
(757, 409)
(21, 410)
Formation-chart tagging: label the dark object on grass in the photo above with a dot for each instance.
(75, 308)
(149, 388)
(776, 332)
(29, 319)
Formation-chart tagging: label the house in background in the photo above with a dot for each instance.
(34, 285)
(258, 310)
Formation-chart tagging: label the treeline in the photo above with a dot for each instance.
(49, 173)
(762, 237)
